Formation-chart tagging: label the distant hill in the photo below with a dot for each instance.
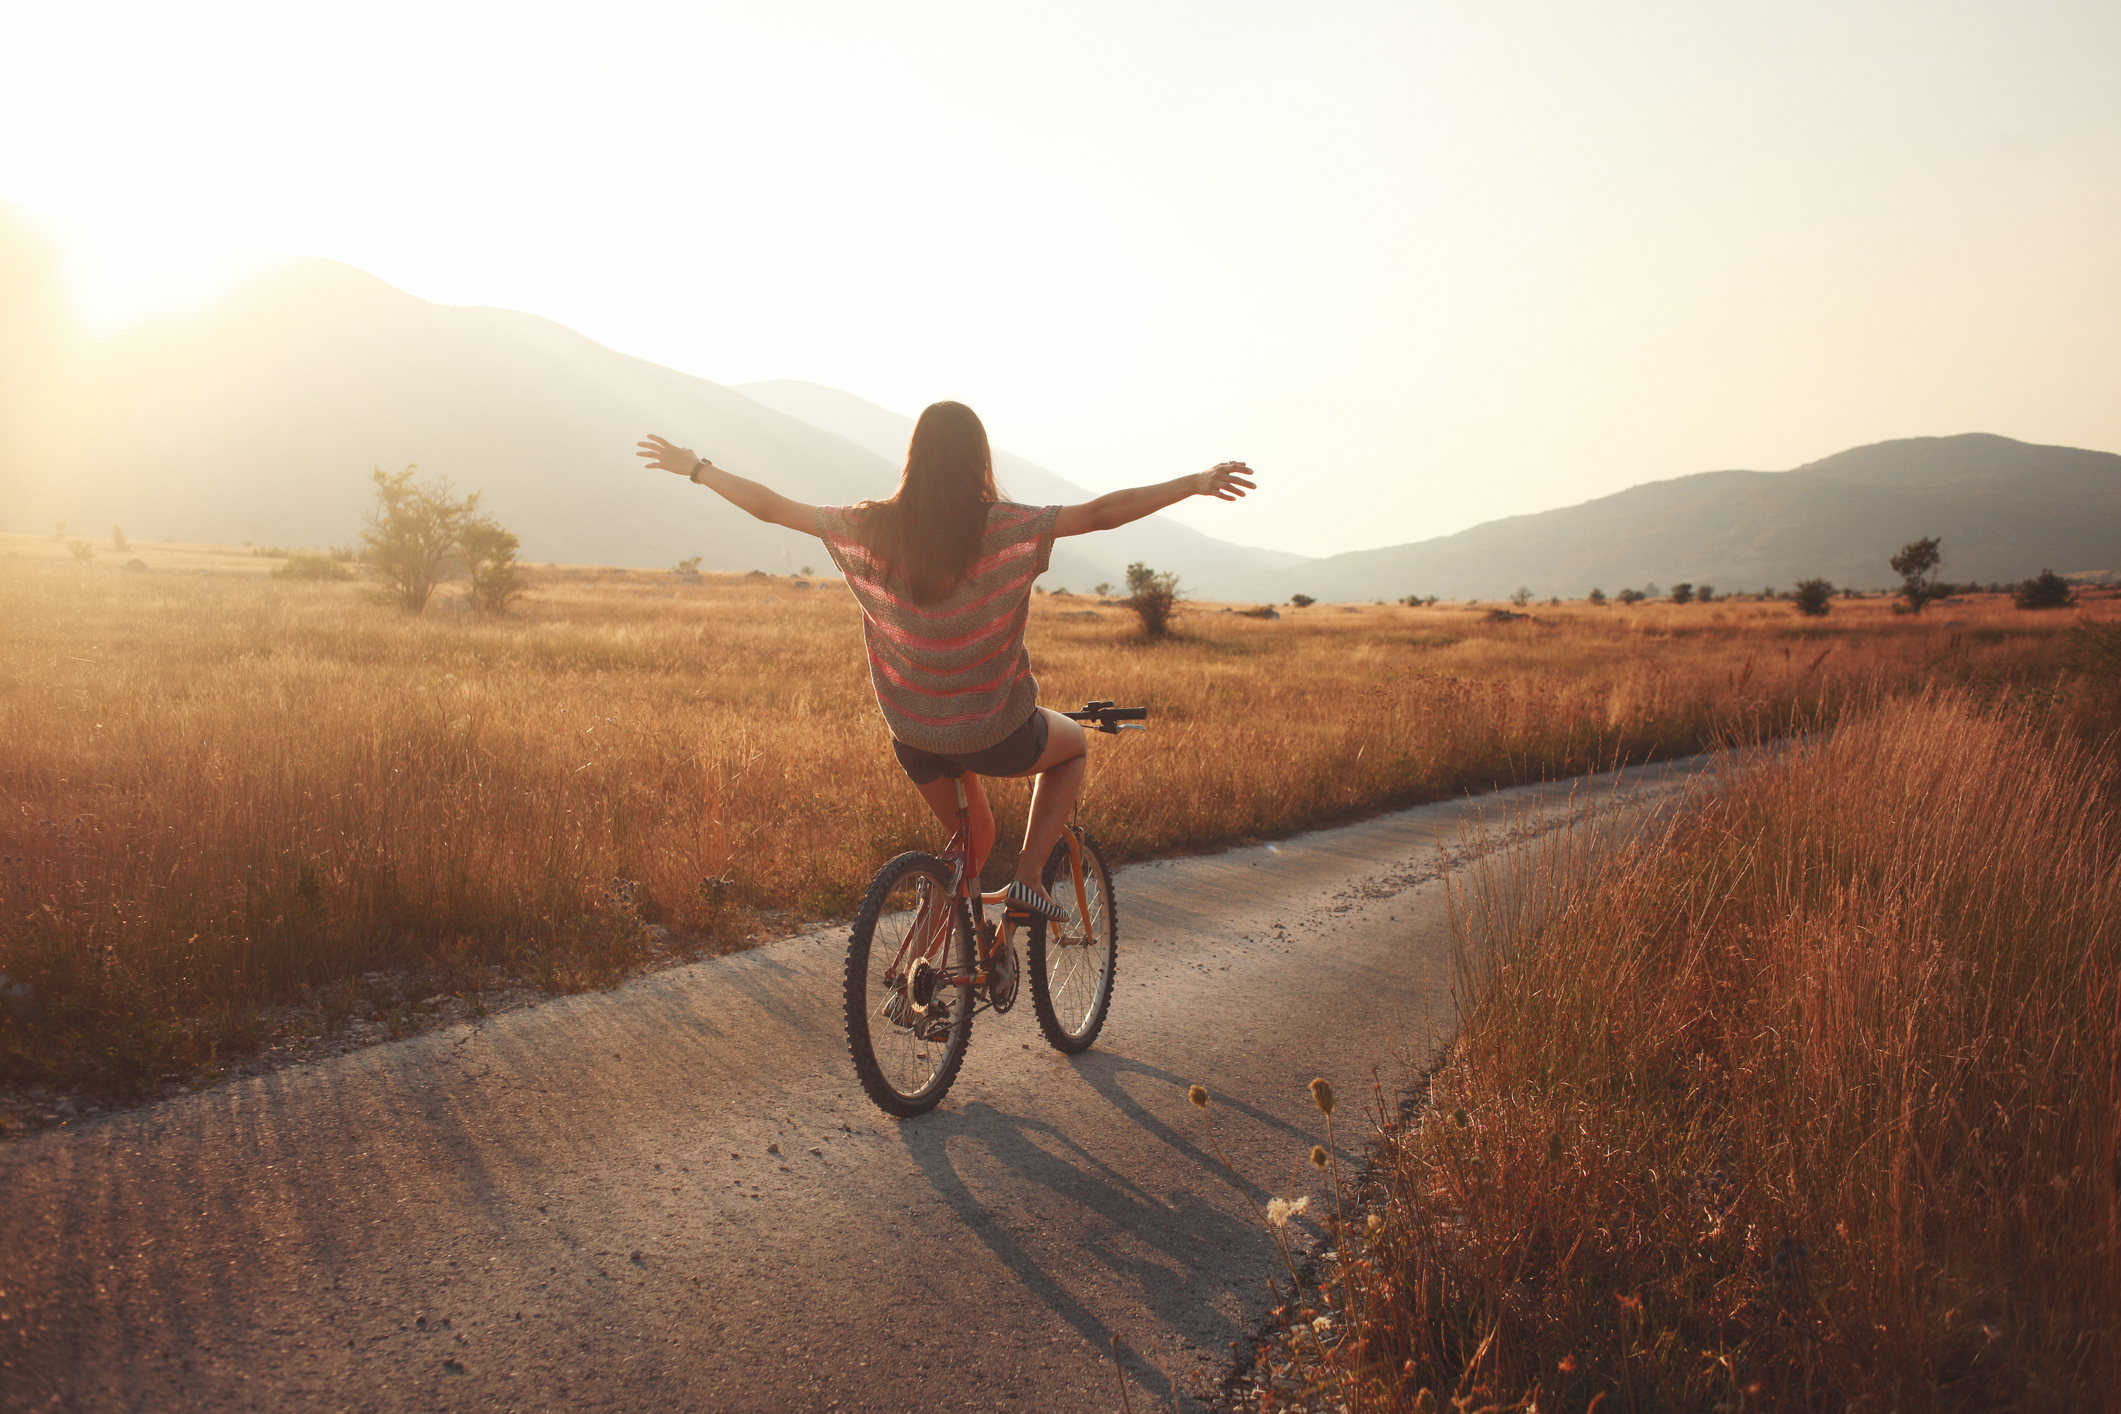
(260, 418)
(2004, 510)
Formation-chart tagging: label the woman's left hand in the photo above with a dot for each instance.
(664, 455)
(1225, 481)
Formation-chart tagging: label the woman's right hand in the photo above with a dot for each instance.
(1225, 481)
(663, 455)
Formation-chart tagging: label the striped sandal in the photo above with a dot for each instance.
(1021, 899)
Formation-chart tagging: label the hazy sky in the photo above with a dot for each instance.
(1421, 264)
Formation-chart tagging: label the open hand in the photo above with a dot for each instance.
(664, 455)
(1225, 481)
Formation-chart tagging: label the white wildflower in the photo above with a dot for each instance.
(1280, 1210)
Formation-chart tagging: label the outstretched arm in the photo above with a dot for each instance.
(762, 501)
(1225, 481)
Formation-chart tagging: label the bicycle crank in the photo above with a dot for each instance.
(1003, 977)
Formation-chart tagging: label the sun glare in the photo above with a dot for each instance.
(121, 275)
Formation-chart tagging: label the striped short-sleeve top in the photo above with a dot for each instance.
(953, 676)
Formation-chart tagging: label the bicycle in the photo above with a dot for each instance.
(923, 958)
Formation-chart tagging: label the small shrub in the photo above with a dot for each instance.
(1704, 593)
(1597, 598)
(1631, 597)
(81, 550)
(118, 541)
(1302, 601)
(1522, 597)
(1682, 593)
(2047, 590)
(1814, 598)
(490, 559)
(1153, 597)
(1103, 591)
(691, 565)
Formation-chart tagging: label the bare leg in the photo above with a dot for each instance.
(941, 795)
(1060, 780)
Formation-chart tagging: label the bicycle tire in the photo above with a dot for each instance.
(1072, 975)
(905, 1069)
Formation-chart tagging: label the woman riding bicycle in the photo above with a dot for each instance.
(943, 573)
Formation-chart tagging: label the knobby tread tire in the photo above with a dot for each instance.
(857, 998)
(1049, 1025)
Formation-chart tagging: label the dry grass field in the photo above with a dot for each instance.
(1812, 1101)
(231, 799)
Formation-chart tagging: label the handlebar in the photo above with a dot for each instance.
(1107, 718)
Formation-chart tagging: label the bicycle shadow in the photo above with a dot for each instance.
(1077, 1225)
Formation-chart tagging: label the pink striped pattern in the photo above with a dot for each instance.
(952, 676)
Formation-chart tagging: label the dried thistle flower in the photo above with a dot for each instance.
(1198, 1094)
(1322, 1095)
(1280, 1210)
(1319, 1156)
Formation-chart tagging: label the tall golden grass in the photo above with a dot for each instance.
(223, 791)
(1810, 1101)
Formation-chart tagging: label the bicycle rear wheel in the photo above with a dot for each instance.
(1072, 963)
(906, 1029)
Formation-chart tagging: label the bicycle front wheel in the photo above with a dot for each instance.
(907, 1028)
(1072, 963)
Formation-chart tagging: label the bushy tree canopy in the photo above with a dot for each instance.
(420, 535)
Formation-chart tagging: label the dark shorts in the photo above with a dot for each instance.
(1013, 755)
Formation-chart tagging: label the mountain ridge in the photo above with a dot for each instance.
(2004, 510)
(259, 418)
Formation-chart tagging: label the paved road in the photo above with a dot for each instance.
(674, 1196)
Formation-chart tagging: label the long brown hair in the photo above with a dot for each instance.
(930, 530)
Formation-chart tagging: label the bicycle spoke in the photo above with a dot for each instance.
(906, 1026)
(1074, 960)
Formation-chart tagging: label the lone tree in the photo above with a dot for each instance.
(419, 536)
(1814, 598)
(1631, 596)
(1682, 593)
(1598, 597)
(1153, 597)
(1302, 601)
(1916, 564)
(2046, 591)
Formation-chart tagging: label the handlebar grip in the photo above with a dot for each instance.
(1106, 717)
